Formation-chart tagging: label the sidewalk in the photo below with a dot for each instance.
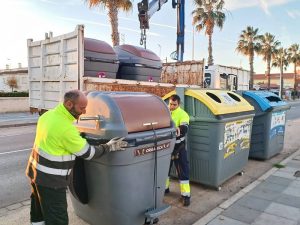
(17, 119)
(272, 199)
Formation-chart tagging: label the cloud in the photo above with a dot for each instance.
(107, 25)
(65, 2)
(293, 13)
(263, 4)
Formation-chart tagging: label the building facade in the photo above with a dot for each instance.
(20, 75)
(261, 80)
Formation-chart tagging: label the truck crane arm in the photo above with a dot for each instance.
(147, 9)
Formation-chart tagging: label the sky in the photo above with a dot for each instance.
(31, 19)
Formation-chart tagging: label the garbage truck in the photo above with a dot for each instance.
(72, 61)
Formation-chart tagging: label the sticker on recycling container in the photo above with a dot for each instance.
(237, 136)
(150, 149)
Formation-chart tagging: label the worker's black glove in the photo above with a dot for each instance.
(116, 144)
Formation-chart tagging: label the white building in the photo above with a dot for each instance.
(20, 74)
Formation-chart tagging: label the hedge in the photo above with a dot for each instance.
(14, 94)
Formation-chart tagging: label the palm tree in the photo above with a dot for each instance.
(268, 49)
(248, 45)
(281, 60)
(294, 57)
(207, 15)
(113, 7)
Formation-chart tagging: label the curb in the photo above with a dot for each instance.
(17, 124)
(223, 206)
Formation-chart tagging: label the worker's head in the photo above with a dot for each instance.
(75, 102)
(174, 102)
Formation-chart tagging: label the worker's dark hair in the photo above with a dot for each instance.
(72, 95)
(175, 98)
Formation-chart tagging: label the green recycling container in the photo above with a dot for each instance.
(218, 140)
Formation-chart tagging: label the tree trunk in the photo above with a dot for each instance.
(251, 60)
(113, 18)
(295, 81)
(210, 60)
(281, 80)
(268, 72)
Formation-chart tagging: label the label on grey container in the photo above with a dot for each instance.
(150, 149)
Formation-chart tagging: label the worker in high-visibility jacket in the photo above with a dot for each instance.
(179, 154)
(57, 144)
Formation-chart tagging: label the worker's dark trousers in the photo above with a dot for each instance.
(49, 205)
(181, 163)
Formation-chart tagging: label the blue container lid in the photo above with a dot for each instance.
(265, 99)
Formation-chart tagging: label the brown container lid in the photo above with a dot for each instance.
(111, 114)
(140, 52)
(139, 110)
(94, 45)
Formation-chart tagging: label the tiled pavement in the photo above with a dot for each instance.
(274, 199)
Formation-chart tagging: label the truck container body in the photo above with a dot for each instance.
(226, 77)
(56, 65)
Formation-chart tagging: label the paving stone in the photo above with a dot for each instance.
(288, 200)
(295, 183)
(294, 164)
(295, 191)
(241, 213)
(297, 157)
(271, 186)
(14, 206)
(268, 219)
(252, 202)
(289, 169)
(279, 180)
(284, 211)
(223, 220)
(284, 175)
(264, 194)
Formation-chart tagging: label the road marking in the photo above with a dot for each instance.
(22, 150)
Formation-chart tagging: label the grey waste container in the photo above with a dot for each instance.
(137, 63)
(219, 134)
(100, 59)
(126, 187)
(268, 124)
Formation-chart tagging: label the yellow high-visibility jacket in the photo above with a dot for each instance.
(57, 144)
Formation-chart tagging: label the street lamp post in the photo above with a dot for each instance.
(281, 75)
(159, 50)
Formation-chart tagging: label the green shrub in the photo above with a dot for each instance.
(14, 94)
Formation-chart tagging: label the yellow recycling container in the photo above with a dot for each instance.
(219, 134)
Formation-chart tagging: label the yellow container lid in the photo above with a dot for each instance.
(218, 101)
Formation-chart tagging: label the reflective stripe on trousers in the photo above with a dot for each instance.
(168, 183)
(185, 188)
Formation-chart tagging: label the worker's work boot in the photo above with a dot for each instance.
(186, 200)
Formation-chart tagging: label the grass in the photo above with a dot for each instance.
(278, 165)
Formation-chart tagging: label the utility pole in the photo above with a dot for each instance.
(159, 50)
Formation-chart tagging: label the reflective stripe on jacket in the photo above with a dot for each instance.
(56, 145)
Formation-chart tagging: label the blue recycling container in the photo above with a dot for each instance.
(268, 128)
